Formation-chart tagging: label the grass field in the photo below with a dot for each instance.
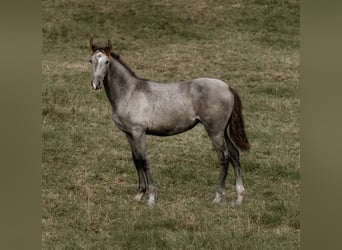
(88, 177)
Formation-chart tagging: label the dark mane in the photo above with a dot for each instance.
(118, 58)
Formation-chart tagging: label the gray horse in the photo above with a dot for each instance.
(141, 107)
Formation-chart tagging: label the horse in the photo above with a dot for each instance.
(141, 107)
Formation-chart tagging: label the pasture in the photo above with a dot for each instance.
(88, 176)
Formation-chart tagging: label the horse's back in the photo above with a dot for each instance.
(211, 85)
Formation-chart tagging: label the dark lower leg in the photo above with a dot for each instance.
(150, 183)
(222, 177)
(138, 147)
(240, 190)
(222, 181)
(235, 160)
(222, 154)
(142, 184)
(141, 176)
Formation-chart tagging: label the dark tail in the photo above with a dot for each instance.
(236, 126)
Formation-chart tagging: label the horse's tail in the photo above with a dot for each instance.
(236, 126)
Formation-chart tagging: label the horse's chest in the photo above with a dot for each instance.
(119, 122)
(125, 121)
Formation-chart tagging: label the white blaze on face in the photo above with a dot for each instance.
(99, 69)
(101, 59)
(94, 85)
(101, 63)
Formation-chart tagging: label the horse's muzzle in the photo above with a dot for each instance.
(96, 85)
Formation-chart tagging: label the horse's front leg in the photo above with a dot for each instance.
(137, 141)
(141, 181)
(140, 171)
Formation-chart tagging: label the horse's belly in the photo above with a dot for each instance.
(171, 126)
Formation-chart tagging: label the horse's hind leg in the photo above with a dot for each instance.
(222, 153)
(234, 158)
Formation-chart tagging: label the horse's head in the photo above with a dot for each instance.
(100, 63)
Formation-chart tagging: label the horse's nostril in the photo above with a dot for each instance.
(93, 85)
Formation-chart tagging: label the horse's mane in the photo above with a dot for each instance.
(119, 59)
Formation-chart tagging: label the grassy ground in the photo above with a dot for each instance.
(88, 177)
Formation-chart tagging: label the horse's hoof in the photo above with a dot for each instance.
(236, 203)
(218, 198)
(151, 201)
(217, 201)
(138, 196)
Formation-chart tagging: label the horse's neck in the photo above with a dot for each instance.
(119, 83)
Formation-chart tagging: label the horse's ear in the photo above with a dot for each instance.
(109, 46)
(92, 45)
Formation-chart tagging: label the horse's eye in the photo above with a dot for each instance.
(107, 62)
(90, 61)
